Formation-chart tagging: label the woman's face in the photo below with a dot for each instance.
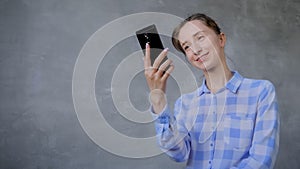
(202, 45)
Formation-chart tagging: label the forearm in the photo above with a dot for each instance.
(256, 161)
(264, 149)
(173, 141)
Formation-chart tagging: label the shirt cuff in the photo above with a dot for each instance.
(163, 117)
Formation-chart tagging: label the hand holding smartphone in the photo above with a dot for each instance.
(158, 73)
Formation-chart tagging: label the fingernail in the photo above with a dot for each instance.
(166, 49)
(147, 44)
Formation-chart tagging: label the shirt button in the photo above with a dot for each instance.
(209, 162)
(211, 144)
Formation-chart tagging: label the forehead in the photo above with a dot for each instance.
(190, 28)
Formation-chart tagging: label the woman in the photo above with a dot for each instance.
(229, 121)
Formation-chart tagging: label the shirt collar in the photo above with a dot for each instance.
(232, 85)
(203, 88)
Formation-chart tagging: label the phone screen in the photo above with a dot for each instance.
(150, 35)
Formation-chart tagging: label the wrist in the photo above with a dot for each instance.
(157, 97)
(158, 100)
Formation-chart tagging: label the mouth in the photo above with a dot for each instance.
(202, 57)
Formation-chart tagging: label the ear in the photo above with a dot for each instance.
(222, 39)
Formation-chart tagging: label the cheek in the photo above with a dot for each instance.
(211, 43)
(189, 56)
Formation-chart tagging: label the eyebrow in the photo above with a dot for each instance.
(193, 36)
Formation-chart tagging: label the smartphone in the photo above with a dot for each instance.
(150, 35)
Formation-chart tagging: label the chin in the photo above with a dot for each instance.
(204, 67)
(199, 65)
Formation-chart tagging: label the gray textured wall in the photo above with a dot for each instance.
(40, 41)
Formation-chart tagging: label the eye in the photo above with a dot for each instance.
(185, 47)
(200, 37)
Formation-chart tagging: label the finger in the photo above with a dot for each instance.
(168, 72)
(160, 57)
(152, 69)
(147, 60)
(164, 66)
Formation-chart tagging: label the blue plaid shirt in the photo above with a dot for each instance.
(237, 127)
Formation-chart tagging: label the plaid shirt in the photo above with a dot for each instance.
(237, 127)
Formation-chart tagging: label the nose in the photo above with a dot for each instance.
(196, 48)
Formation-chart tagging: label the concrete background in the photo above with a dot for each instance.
(40, 41)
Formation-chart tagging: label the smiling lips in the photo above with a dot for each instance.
(202, 57)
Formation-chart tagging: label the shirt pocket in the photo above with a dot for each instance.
(238, 131)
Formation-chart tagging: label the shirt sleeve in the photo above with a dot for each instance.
(172, 138)
(265, 143)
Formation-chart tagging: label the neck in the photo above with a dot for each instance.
(217, 77)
